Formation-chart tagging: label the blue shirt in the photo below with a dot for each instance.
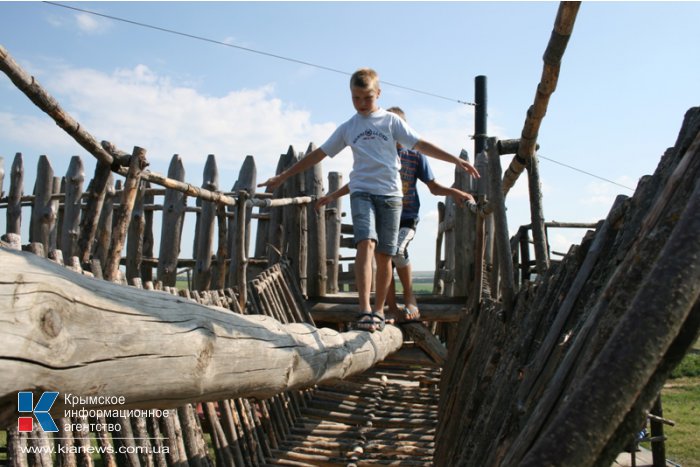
(414, 167)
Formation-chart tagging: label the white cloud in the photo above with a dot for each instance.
(137, 107)
(90, 24)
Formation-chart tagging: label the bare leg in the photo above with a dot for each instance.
(391, 297)
(406, 276)
(384, 272)
(363, 272)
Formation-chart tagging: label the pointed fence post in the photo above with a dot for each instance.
(174, 205)
(14, 199)
(136, 165)
(70, 228)
(205, 231)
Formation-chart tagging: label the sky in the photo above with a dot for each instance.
(629, 74)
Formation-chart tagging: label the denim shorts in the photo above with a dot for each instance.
(376, 217)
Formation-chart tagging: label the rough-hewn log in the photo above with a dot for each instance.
(246, 182)
(133, 181)
(174, 205)
(205, 228)
(317, 269)
(39, 96)
(563, 26)
(14, 208)
(84, 336)
(70, 228)
(501, 239)
(43, 215)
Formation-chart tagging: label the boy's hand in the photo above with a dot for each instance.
(462, 197)
(272, 183)
(467, 167)
(322, 201)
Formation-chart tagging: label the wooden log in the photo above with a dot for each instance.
(148, 240)
(135, 233)
(246, 182)
(70, 229)
(205, 229)
(93, 209)
(539, 235)
(276, 236)
(56, 209)
(43, 216)
(103, 235)
(639, 339)
(464, 241)
(241, 250)
(102, 152)
(216, 354)
(317, 269)
(438, 285)
(174, 205)
(333, 227)
(563, 27)
(133, 180)
(14, 208)
(501, 236)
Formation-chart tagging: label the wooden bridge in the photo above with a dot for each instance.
(521, 359)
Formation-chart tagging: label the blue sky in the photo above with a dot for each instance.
(629, 73)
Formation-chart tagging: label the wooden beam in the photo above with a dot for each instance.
(77, 335)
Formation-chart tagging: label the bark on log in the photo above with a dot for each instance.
(85, 337)
(563, 26)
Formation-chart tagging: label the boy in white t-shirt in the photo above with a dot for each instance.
(375, 186)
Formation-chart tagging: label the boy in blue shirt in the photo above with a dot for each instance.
(375, 186)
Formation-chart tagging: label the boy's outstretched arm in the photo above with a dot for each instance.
(429, 149)
(458, 195)
(330, 197)
(311, 159)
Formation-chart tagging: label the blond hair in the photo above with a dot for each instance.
(398, 111)
(365, 78)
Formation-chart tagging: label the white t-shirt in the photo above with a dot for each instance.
(373, 139)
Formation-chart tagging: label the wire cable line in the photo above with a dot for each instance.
(584, 172)
(301, 62)
(255, 51)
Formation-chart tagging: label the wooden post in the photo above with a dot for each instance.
(43, 216)
(563, 27)
(334, 221)
(93, 208)
(277, 237)
(106, 221)
(135, 232)
(70, 228)
(14, 197)
(148, 242)
(502, 241)
(174, 204)
(241, 250)
(246, 182)
(481, 164)
(205, 229)
(464, 222)
(317, 268)
(438, 279)
(138, 162)
(539, 235)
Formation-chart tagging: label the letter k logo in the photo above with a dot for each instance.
(25, 403)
